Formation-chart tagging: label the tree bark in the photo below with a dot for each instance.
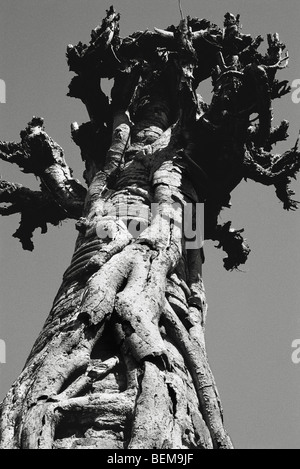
(114, 366)
(121, 360)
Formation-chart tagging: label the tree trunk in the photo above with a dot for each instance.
(121, 360)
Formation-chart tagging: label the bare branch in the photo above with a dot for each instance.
(13, 152)
(87, 88)
(36, 209)
(232, 242)
(274, 170)
(164, 33)
(100, 50)
(274, 56)
(37, 153)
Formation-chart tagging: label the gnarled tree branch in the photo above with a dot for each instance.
(36, 209)
(61, 195)
(274, 170)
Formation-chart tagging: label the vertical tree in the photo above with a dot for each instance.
(121, 360)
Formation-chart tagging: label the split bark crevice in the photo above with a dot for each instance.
(121, 360)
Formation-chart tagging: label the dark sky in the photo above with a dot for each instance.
(253, 315)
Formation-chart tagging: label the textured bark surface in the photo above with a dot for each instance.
(121, 360)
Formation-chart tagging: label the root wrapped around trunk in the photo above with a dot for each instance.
(121, 362)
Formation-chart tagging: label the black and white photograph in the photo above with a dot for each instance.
(149, 227)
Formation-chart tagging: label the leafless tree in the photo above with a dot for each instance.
(121, 360)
